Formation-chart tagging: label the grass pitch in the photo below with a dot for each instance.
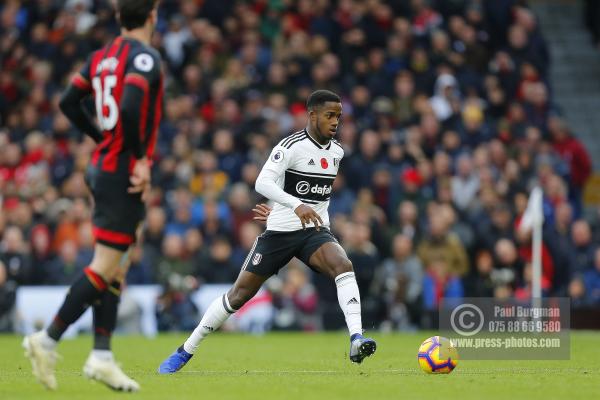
(304, 366)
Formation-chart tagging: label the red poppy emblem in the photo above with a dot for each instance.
(324, 163)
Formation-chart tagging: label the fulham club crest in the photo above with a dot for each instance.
(256, 259)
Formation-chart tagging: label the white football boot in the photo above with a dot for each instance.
(43, 359)
(109, 373)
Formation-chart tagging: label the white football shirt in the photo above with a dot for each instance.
(299, 171)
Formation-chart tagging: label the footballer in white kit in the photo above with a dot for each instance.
(305, 170)
(299, 171)
(298, 177)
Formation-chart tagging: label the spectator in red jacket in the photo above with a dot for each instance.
(574, 154)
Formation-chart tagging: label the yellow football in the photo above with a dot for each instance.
(437, 355)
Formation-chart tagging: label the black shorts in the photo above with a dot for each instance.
(272, 250)
(117, 213)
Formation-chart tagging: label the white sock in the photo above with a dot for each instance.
(349, 299)
(216, 314)
(47, 342)
(104, 355)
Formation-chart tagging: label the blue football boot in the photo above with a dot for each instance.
(361, 347)
(175, 361)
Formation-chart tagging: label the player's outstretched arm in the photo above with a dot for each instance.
(272, 171)
(71, 106)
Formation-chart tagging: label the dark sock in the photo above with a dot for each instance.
(87, 288)
(187, 355)
(105, 316)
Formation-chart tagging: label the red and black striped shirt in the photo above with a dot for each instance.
(126, 82)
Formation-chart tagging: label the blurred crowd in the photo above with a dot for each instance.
(449, 121)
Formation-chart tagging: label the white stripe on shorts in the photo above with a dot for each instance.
(245, 264)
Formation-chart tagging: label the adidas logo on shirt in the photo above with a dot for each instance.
(352, 301)
(311, 162)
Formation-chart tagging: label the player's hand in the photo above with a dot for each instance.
(140, 178)
(308, 215)
(261, 212)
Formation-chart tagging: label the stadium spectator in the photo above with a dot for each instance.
(591, 279)
(240, 204)
(465, 184)
(297, 301)
(508, 265)
(175, 310)
(582, 254)
(217, 266)
(499, 227)
(407, 222)
(400, 282)
(140, 271)
(439, 282)
(574, 154)
(558, 238)
(40, 253)
(480, 283)
(65, 267)
(356, 239)
(173, 269)
(342, 197)
(440, 244)
(15, 256)
(577, 294)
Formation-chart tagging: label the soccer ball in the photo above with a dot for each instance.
(437, 355)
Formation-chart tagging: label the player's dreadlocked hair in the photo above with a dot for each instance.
(134, 13)
(320, 97)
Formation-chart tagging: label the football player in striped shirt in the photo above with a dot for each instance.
(126, 82)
